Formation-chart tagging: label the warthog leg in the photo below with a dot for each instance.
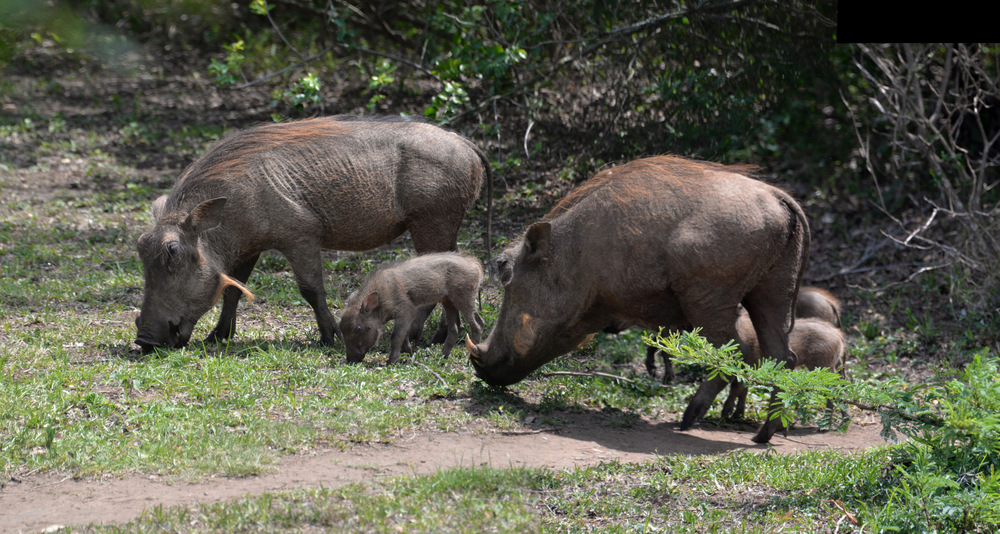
(226, 327)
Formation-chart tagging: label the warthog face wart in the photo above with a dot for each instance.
(540, 314)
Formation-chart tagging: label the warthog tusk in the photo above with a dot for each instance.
(226, 281)
(474, 354)
(473, 350)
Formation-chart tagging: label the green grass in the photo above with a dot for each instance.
(78, 396)
(742, 491)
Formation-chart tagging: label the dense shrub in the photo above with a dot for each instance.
(945, 477)
(725, 80)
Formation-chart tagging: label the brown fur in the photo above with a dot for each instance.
(819, 303)
(658, 241)
(398, 292)
(297, 188)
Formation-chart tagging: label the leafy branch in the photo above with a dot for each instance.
(805, 392)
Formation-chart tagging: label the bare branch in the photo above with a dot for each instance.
(592, 374)
(329, 49)
(272, 75)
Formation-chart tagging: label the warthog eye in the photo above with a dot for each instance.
(173, 247)
(504, 269)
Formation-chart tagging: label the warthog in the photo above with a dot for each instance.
(297, 187)
(818, 303)
(817, 343)
(658, 241)
(397, 292)
(811, 302)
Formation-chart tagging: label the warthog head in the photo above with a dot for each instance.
(361, 325)
(532, 327)
(181, 284)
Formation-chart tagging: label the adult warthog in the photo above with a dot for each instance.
(297, 187)
(661, 241)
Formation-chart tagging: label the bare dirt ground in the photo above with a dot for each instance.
(41, 501)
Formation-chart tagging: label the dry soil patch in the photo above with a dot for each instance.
(40, 501)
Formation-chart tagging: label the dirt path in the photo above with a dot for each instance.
(41, 501)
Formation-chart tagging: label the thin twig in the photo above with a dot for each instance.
(870, 269)
(267, 77)
(869, 251)
(593, 374)
(527, 432)
(527, 134)
(431, 371)
(277, 30)
(920, 229)
(330, 48)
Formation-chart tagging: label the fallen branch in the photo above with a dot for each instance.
(431, 371)
(593, 374)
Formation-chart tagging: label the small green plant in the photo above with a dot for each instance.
(382, 76)
(452, 99)
(946, 476)
(226, 72)
(305, 91)
(260, 7)
(57, 124)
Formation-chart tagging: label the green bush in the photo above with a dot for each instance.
(942, 478)
(724, 81)
(945, 477)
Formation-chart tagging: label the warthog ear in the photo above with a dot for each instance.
(537, 241)
(370, 303)
(204, 216)
(159, 205)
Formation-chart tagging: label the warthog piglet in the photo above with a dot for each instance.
(397, 292)
(811, 302)
(817, 343)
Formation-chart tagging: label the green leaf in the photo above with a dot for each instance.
(260, 7)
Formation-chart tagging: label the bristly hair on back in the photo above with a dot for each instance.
(678, 165)
(377, 118)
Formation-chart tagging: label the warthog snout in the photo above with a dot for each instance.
(176, 335)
